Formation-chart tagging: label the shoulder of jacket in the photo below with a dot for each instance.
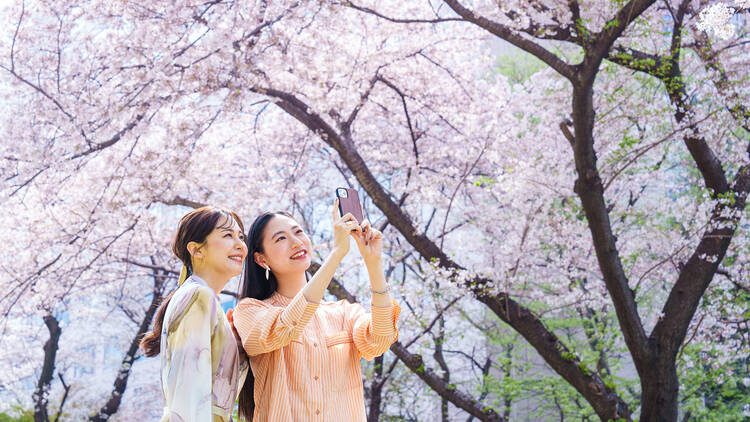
(186, 297)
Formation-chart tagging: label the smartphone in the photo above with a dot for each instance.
(349, 202)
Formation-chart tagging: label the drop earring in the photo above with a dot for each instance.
(267, 270)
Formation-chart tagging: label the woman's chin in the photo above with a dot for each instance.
(302, 264)
(234, 270)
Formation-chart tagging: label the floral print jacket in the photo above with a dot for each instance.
(202, 367)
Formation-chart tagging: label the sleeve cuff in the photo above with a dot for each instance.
(384, 319)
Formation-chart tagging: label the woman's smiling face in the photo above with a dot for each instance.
(286, 247)
(224, 250)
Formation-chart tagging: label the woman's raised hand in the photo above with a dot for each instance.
(370, 243)
(342, 227)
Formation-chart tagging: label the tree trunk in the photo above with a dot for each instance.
(588, 187)
(376, 391)
(41, 394)
(121, 382)
(659, 392)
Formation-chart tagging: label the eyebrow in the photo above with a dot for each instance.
(282, 231)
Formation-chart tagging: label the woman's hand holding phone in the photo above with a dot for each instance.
(369, 241)
(343, 226)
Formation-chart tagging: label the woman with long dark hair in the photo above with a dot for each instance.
(305, 352)
(201, 364)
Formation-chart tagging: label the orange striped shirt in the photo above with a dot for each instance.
(306, 356)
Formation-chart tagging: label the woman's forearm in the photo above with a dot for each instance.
(316, 287)
(380, 295)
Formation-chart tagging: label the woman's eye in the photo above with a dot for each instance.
(300, 231)
(280, 238)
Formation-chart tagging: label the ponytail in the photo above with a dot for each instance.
(151, 341)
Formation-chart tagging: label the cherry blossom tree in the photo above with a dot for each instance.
(588, 209)
(654, 355)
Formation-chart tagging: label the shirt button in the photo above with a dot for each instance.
(315, 378)
(317, 412)
(294, 323)
(315, 344)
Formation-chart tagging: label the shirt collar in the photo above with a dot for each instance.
(280, 299)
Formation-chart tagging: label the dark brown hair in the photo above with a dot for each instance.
(195, 226)
(254, 285)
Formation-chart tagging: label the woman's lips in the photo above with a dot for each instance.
(299, 255)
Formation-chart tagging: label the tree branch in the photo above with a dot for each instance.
(514, 38)
(700, 268)
(66, 390)
(667, 70)
(412, 134)
(178, 200)
(616, 26)
(397, 20)
(112, 140)
(589, 188)
(739, 111)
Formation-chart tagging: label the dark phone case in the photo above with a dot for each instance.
(350, 204)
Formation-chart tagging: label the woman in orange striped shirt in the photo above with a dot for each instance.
(304, 351)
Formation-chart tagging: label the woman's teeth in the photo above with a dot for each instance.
(300, 254)
(236, 258)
